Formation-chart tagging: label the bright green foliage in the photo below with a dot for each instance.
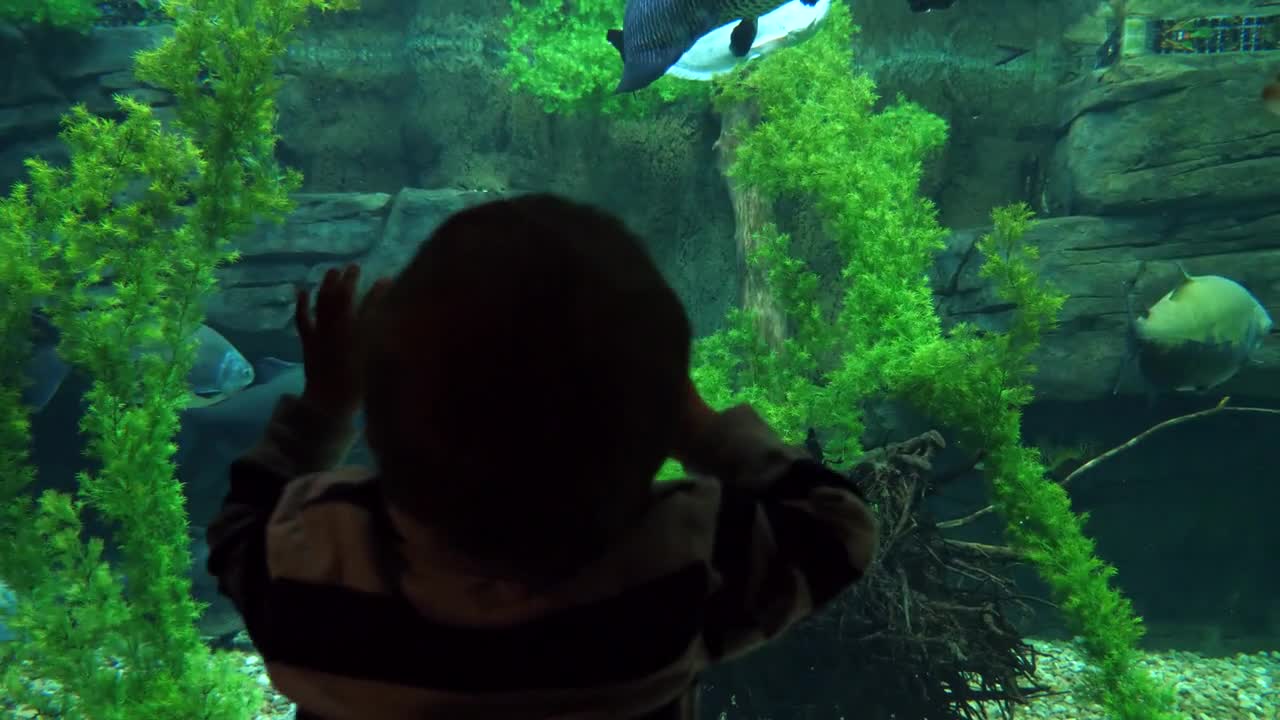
(736, 365)
(977, 386)
(72, 613)
(819, 141)
(152, 212)
(220, 65)
(69, 14)
(557, 51)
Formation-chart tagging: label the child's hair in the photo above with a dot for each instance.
(526, 373)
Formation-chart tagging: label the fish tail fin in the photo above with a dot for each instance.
(1131, 337)
(640, 71)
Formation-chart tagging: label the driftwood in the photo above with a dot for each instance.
(1064, 480)
(929, 633)
(752, 211)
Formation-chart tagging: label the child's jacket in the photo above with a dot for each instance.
(714, 568)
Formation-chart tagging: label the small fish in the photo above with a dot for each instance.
(243, 414)
(214, 436)
(1271, 96)
(219, 370)
(1198, 335)
(656, 33)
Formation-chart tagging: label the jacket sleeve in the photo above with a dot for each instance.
(299, 440)
(791, 534)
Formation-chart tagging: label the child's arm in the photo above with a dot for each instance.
(791, 534)
(300, 439)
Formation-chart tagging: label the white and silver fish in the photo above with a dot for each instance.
(789, 25)
(656, 33)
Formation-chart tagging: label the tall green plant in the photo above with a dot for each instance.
(133, 652)
(820, 140)
(73, 618)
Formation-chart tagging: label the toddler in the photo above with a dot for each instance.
(510, 556)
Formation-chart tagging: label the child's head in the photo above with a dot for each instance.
(526, 374)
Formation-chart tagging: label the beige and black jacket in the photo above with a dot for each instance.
(717, 566)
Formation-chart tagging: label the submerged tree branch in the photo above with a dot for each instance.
(1221, 407)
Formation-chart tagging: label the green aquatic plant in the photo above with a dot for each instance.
(977, 385)
(820, 140)
(78, 15)
(559, 53)
(74, 618)
(151, 211)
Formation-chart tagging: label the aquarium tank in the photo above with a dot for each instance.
(1008, 266)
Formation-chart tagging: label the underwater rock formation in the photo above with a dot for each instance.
(1133, 163)
(1091, 259)
(1167, 133)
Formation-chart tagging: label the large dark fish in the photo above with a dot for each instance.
(656, 33)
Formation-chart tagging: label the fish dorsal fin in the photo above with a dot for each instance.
(1186, 282)
(269, 368)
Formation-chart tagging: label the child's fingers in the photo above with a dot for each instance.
(337, 293)
(350, 276)
(329, 296)
(373, 296)
(334, 301)
(302, 313)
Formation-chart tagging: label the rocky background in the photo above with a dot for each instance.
(398, 116)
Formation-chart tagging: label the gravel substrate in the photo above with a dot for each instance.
(1242, 687)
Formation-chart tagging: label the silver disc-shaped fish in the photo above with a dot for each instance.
(1200, 334)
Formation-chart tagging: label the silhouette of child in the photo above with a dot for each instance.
(523, 379)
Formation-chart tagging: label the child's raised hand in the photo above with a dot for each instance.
(330, 352)
(698, 416)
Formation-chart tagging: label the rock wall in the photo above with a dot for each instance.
(381, 231)
(372, 104)
(1140, 164)
(1131, 159)
(1092, 259)
(45, 74)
